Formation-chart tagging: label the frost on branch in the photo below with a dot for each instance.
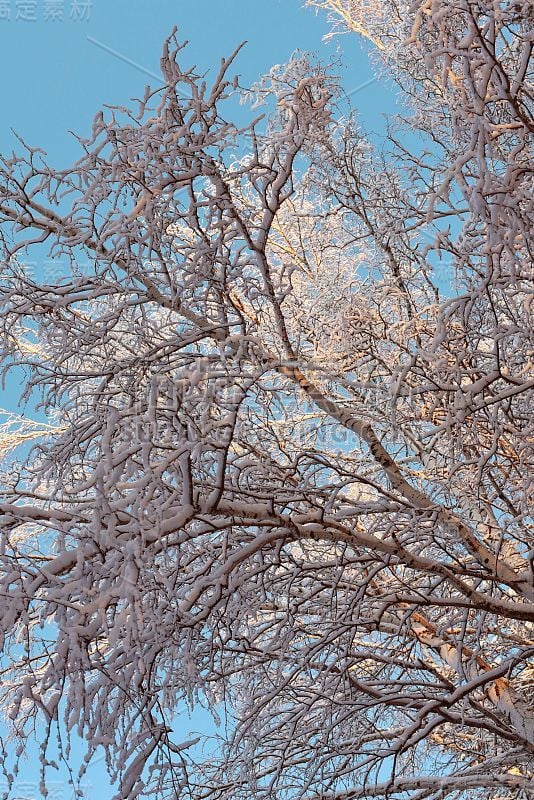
(287, 472)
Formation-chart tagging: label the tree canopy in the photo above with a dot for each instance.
(286, 466)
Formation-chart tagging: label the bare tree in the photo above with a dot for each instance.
(288, 459)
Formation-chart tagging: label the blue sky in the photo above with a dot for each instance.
(61, 61)
(64, 70)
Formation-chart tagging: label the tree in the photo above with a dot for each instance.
(287, 468)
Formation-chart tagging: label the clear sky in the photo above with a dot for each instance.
(58, 72)
(61, 60)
